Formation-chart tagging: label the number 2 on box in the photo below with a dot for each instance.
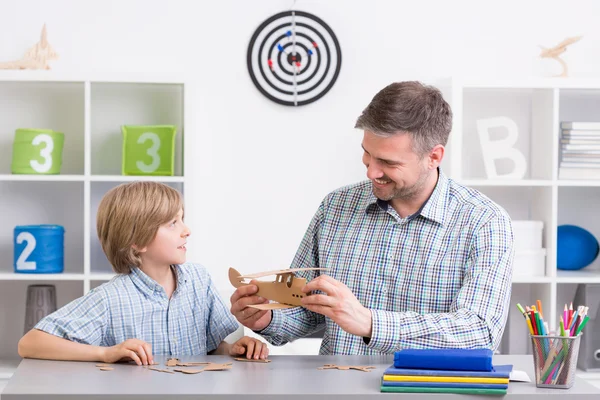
(152, 152)
(22, 264)
(46, 153)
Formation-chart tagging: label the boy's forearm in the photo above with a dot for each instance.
(42, 345)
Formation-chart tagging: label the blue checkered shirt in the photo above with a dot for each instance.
(440, 278)
(134, 306)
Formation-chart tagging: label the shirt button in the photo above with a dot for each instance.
(384, 290)
(174, 340)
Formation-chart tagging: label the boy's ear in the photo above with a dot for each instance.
(138, 249)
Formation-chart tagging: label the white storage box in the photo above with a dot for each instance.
(530, 263)
(528, 235)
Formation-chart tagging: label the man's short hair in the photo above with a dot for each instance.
(409, 107)
(130, 214)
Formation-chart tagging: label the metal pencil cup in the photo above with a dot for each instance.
(555, 360)
(41, 301)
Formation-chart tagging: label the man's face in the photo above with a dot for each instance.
(395, 170)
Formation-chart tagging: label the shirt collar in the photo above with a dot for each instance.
(149, 286)
(434, 207)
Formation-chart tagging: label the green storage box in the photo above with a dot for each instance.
(148, 150)
(37, 151)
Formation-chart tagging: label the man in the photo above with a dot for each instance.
(414, 260)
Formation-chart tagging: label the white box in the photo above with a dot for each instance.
(530, 263)
(528, 235)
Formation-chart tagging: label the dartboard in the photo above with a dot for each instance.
(294, 58)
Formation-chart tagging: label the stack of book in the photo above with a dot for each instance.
(580, 150)
(445, 371)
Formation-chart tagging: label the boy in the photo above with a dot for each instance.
(158, 304)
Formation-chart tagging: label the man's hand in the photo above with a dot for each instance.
(340, 305)
(249, 317)
(253, 348)
(131, 349)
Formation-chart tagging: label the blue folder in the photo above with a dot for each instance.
(444, 359)
(498, 371)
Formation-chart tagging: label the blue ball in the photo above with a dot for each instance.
(577, 248)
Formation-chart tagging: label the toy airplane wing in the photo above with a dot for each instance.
(237, 279)
(271, 306)
(278, 272)
(568, 41)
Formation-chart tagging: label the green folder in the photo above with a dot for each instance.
(408, 389)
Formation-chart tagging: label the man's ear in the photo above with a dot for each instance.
(138, 249)
(436, 155)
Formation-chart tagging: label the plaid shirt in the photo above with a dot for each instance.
(193, 322)
(440, 278)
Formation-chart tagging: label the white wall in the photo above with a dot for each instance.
(261, 169)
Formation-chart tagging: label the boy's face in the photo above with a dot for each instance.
(168, 246)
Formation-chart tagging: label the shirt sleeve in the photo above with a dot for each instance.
(83, 320)
(477, 315)
(220, 322)
(294, 323)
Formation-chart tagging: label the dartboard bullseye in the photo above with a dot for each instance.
(294, 58)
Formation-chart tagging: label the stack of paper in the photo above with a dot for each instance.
(445, 371)
(580, 150)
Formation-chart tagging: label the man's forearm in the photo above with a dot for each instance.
(461, 329)
(42, 345)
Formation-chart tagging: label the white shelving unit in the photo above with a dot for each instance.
(537, 106)
(90, 110)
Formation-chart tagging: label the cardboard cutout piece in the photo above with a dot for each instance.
(364, 368)
(252, 360)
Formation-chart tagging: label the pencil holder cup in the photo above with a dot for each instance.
(148, 150)
(37, 151)
(555, 360)
(41, 301)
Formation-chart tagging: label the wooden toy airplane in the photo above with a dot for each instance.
(37, 57)
(556, 51)
(286, 289)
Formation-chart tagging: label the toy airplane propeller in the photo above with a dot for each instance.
(286, 289)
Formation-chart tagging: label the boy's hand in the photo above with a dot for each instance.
(131, 349)
(252, 347)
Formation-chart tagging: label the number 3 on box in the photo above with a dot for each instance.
(46, 153)
(152, 152)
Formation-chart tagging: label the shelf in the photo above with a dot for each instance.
(101, 277)
(53, 76)
(8, 368)
(42, 178)
(506, 182)
(129, 178)
(93, 178)
(580, 182)
(533, 279)
(8, 276)
(528, 83)
(582, 276)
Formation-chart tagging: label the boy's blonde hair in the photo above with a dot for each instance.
(130, 214)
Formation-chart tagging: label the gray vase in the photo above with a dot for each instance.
(41, 301)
